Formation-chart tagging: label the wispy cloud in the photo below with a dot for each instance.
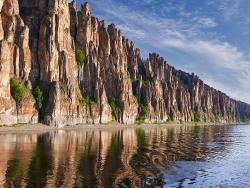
(186, 34)
(206, 22)
(227, 8)
(244, 26)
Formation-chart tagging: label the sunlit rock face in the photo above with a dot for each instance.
(38, 44)
(175, 95)
(15, 61)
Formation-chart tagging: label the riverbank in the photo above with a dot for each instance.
(113, 126)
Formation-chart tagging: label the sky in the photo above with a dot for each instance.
(208, 37)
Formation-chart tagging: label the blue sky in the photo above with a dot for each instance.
(208, 37)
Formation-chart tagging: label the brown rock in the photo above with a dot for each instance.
(38, 41)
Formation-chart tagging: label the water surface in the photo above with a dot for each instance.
(185, 156)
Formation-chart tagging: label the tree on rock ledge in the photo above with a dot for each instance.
(80, 57)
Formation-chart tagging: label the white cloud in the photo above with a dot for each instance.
(206, 22)
(134, 33)
(227, 8)
(244, 26)
(222, 63)
(219, 63)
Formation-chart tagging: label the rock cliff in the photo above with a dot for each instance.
(89, 72)
(15, 61)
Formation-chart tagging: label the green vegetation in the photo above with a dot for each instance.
(143, 111)
(184, 78)
(139, 120)
(197, 117)
(135, 81)
(87, 101)
(245, 121)
(19, 92)
(135, 84)
(108, 123)
(38, 95)
(14, 125)
(115, 109)
(191, 123)
(143, 72)
(80, 57)
(171, 116)
(141, 101)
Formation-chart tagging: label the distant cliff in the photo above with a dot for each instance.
(61, 66)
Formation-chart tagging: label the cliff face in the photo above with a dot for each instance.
(244, 110)
(39, 41)
(15, 61)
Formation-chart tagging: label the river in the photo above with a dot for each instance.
(181, 156)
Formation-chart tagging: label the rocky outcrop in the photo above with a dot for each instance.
(15, 61)
(243, 110)
(178, 96)
(40, 42)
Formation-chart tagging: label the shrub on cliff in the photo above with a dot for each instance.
(115, 108)
(197, 117)
(19, 92)
(38, 95)
(143, 110)
(87, 101)
(171, 114)
(80, 57)
(184, 79)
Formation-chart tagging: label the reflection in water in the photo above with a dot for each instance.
(122, 158)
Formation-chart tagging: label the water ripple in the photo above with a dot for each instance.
(184, 156)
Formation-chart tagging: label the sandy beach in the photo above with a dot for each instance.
(39, 128)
